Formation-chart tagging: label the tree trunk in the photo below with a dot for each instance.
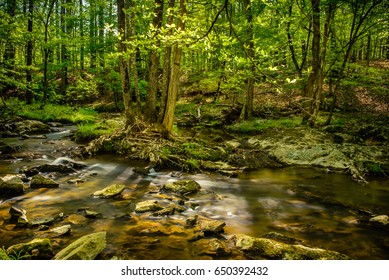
(152, 83)
(46, 51)
(92, 34)
(247, 110)
(101, 48)
(82, 48)
(123, 65)
(64, 51)
(168, 119)
(166, 68)
(133, 64)
(313, 86)
(29, 92)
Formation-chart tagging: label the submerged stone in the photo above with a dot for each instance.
(211, 226)
(263, 248)
(182, 187)
(213, 247)
(147, 206)
(84, 248)
(110, 191)
(58, 231)
(40, 181)
(11, 185)
(380, 221)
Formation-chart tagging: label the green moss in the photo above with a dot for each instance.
(193, 164)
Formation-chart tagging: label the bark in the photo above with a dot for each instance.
(247, 110)
(46, 50)
(133, 65)
(152, 84)
(313, 86)
(123, 65)
(82, 48)
(166, 68)
(168, 119)
(30, 45)
(64, 51)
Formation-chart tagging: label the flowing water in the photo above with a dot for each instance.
(323, 210)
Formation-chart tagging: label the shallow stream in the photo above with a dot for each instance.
(255, 203)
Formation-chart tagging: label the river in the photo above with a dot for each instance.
(254, 203)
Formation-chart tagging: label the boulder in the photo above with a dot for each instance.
(110, 191)
(31, 126)
(47, 168)
(380, 221)
(58, 231)
(147, 206)
(263, 248)
(45, 220)
(18, 215)
(40, 181)
(7, 149)
(170, 210)
(84, 248)
(213, 247)
(182, 187)
(39, 248)
(11, 185)
(212, 227)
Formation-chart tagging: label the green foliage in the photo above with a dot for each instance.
(261, 125)
(81, 91)
(90, 131)
(373, 168)
(52, 112)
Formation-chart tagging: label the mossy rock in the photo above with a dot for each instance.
(110, 191)
(11, 185)
(148, 206)
(39, 248)
(84, 248)
(263, 248)
(40, 181)
(182, 187)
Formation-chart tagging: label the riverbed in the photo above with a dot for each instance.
(322, 209)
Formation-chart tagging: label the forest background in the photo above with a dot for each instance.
(145, 58)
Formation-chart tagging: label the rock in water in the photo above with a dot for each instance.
(110, 191)
(40, 181)
(182, 187)
(39, 249)
(11, 185)
(263, 248)
(380, 221)
(148, 205)
(84, 248)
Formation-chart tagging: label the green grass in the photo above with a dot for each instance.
(52, 112)
(90, 131)
(261, 125)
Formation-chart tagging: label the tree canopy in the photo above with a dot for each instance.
(140, 54)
